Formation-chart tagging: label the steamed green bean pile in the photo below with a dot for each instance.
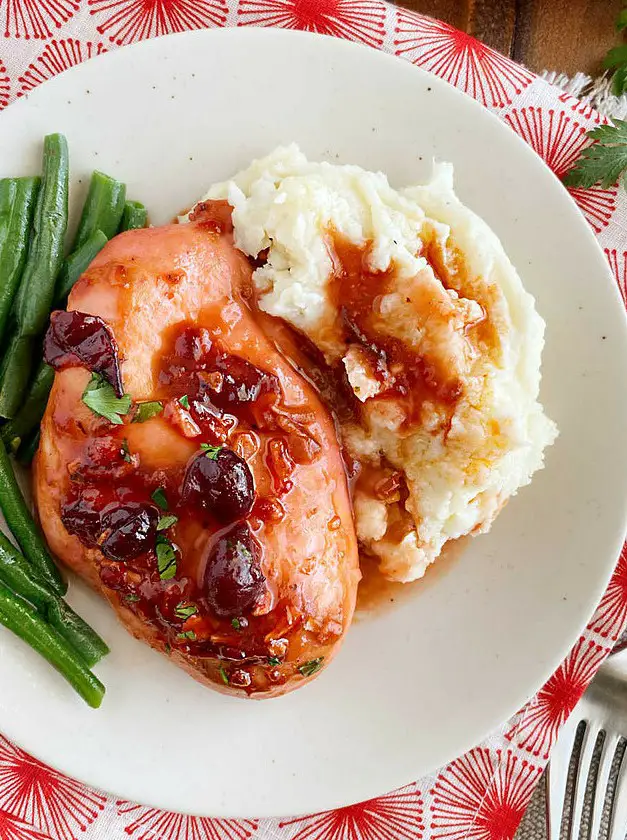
(37, 273)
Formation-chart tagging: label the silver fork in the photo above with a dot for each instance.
(587, 774)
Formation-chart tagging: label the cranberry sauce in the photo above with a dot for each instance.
(75, 339)
(241, 383)
(216, 383)
(402, 372)
(181, 543)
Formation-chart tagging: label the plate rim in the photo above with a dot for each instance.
(263, 33)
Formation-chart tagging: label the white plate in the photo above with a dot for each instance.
(415, 687)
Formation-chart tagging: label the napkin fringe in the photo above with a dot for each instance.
(594, 92)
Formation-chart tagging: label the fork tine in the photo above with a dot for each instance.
(557, 778)
(618, 819)
(586, 779)
(598, 829)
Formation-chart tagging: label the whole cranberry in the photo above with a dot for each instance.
(219, 481)
(233, 580)
(130, 528)
(76, 339)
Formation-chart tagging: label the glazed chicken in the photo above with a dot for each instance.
(188, 472)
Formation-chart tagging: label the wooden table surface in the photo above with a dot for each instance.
(564, 35)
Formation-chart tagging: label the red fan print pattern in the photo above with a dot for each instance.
(57, 805)
(540, 721)
(35, 18)
(356, 20)
(583, 110)
(14, 829)
(4, 87)
(397, 816)
(482, 796)
(618, 264)
(57, 57)
(460, 59)
(152, 824)
(610, 616)
(559, 138)
(125, 21)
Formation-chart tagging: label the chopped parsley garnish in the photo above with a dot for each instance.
(185, 611)
(310, 668)
(167, 521)
(235, 624)
(100, 397)
(274, 660)
(224, 675)
(126, 452)
(210, 451)
(166, 558)
(146, 410)
(158, 497)
(188, 634)
(184, 401)
(168, 647)
(131, 597)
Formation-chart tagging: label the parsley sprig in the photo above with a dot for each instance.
(605, 161)
(616, 59)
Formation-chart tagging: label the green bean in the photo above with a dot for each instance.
(8, 188)
(24, 621)
(32, 409)
(16, 573)
(134, 216)
(16, 367)
(77, 263)
(28, 448)
(23, 527)
(28, 411)
(14, 249)
(83, 638)
(103, 208)
(45, 255)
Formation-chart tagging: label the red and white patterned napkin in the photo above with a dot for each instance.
(483, 794)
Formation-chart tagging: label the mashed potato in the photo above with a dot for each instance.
(412, 297)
